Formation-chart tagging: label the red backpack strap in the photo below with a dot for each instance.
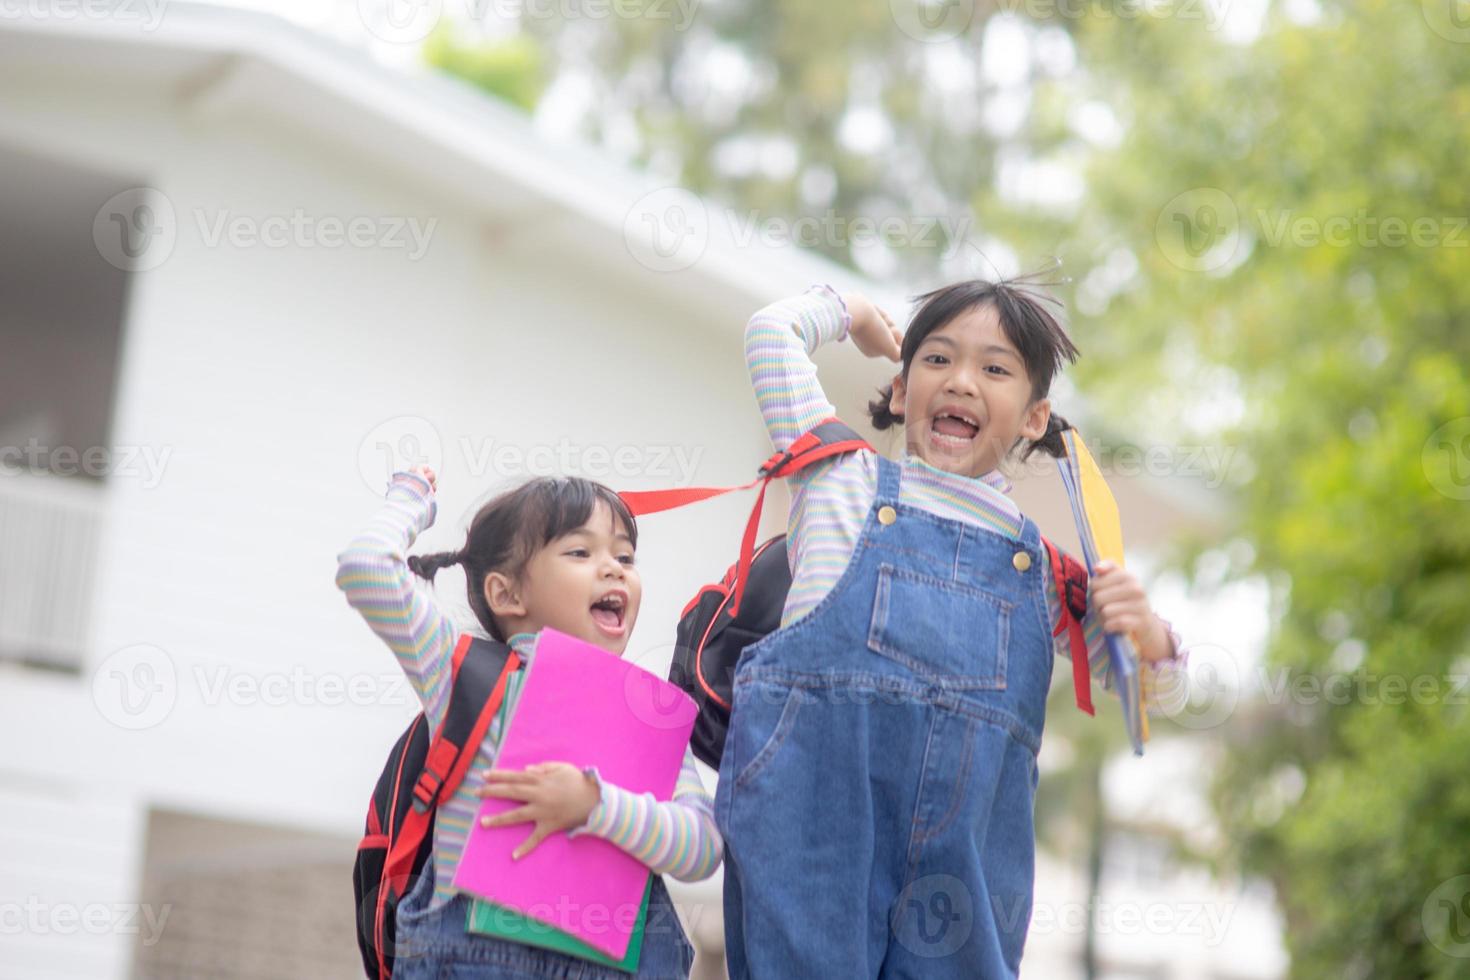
(641, 502)
(1071, 582)
(829, 437)
(480, 666)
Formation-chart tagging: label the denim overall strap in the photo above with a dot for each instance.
(889, 478)
(878, 780)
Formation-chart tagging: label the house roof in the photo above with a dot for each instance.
(570, 202)
(438, 131)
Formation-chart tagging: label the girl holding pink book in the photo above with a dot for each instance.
(554, 552)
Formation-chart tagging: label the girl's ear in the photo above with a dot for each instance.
(1037, 417)
(898, 397)
(502, 596)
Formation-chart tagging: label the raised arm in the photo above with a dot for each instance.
(373, 573)
(779, 341)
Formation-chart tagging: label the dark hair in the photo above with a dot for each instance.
(513, 526)
(1028, 324)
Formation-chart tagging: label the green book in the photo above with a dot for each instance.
(490, 919)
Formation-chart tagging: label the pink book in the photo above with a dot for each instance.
(582, 705)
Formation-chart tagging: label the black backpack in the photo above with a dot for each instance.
(727, 616)
(746, 603)
(422, 771)
(712, 635)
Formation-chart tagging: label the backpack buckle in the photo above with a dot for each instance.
(803, 444)
(771, 466)
(426, 789)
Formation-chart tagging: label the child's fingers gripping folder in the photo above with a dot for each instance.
(582, 705)
(1096, 514)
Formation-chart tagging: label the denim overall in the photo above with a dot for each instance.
(877, 785)
(432, 944)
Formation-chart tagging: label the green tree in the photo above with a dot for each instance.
(1283, 223)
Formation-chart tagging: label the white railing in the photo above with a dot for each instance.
(49, 532)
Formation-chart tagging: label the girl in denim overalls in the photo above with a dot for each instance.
(877, 785)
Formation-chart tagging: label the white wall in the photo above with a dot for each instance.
(259, 374)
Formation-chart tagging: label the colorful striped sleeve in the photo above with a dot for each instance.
(779, 341)
(373, 573)
(677, 838)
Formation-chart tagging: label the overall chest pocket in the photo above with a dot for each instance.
(951, 633)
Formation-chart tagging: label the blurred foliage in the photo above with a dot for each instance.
(746, 103)
(513, 69)
(1239, 234)
(1237, 281)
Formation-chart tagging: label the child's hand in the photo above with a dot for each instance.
(427, 474)
(1118, 597)
(557, 796)
(872, 331)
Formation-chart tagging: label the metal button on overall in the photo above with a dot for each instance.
(887, 515)
(1022, 560)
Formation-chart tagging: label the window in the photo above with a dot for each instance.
(60, 333)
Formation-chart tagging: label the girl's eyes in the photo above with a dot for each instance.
(939, 360)
(584, 553)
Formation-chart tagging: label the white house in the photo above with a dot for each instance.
(244, 273)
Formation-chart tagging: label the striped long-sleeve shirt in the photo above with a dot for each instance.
(677, 838)
(831, 499)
